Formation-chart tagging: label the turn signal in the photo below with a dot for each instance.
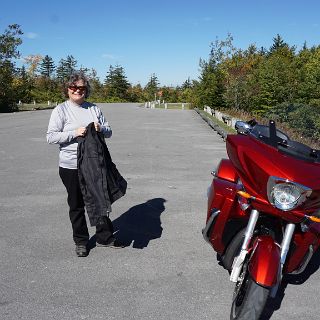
(314, 219)
(244, 194)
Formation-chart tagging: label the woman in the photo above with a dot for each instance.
(67, 122)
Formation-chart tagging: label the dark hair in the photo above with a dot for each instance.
(76, 76)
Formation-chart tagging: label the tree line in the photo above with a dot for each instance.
(40, 79)
(280, 82)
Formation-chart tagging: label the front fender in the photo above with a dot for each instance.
(264, 264)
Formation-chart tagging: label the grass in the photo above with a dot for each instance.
(221, 124)
(31, 106)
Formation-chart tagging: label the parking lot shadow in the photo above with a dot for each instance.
(140, 224)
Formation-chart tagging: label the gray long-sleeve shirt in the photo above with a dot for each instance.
(65, 119)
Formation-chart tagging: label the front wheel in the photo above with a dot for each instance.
(249, 299)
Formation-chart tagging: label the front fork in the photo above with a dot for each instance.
(239, 260)
(285, 245)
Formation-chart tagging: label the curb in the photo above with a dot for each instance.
(213, 125)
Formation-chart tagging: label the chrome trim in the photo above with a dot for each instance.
(242, 127)
(285, 245)
(238, 261)
(305, 262)
(205, 230)
(250, 229)
(305, 192)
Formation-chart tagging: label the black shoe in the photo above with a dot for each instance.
(112, 243)
(81, 250)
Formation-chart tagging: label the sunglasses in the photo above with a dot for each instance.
(75, 88)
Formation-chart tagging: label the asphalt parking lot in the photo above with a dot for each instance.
(167, 271)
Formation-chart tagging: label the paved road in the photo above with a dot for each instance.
(167, 272)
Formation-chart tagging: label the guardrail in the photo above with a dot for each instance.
(213, 125)
(228, 120)
(167, 105)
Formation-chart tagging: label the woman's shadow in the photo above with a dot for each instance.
(140, 224)
(274, 304)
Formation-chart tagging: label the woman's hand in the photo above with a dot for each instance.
(97, 126)
(80, 132)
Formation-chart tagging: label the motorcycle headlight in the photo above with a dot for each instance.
(285, 194)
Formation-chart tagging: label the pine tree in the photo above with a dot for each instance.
(71, 64)
(151, 87)
(278, 43)
(84, 70)
(47, 67)
(96, 86)
(116, 83)
(65, 68)
(61, 71)
(187, 84)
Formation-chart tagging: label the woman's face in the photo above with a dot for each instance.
(77, 92)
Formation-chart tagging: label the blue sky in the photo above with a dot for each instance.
(165, 37)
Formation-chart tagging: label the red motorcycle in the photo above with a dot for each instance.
(263, 217)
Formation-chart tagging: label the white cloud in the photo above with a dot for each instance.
(108, 56)
(31, 35)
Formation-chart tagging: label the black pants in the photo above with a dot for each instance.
(104, 228)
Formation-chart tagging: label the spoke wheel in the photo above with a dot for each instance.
(249, 298)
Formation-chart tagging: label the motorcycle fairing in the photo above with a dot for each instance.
(300, 248)
(226, 171)
(223, 187)
(253, 158)
(229, 213)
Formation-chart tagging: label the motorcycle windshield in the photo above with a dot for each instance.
(261, 154)
(283, 143)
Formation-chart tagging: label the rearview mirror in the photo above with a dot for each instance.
(242, 127)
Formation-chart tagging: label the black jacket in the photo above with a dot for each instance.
(100, 182)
